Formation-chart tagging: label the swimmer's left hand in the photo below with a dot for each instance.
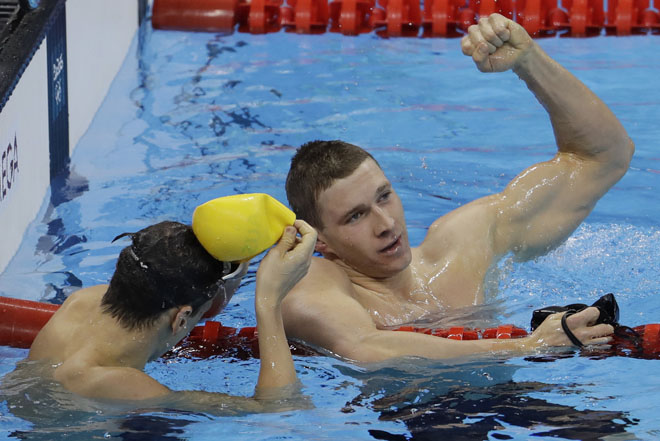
(582, 325)
(496, 43)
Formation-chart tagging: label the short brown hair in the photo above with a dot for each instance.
(314, 167)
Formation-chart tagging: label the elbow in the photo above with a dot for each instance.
(622, 162)
(615, 160)
(630, 151)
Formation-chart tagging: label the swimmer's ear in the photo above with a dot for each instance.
(322, 246)
(181, 319)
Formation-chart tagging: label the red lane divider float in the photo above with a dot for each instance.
(405, 18)
(462, 333)
(306, 16)
(397, 18)
(197, 15)
(212, 339)
(21, 321)
(625, 17)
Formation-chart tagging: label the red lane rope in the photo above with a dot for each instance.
(21, 321)
(406, 18)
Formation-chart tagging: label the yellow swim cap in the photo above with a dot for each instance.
(237, 228)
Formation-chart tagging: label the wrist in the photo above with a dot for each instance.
(532, 342)
(267, 303)
(525, 62)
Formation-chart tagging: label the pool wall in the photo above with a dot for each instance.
(57, 65)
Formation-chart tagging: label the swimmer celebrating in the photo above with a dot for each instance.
(100, 339)
(369, 277)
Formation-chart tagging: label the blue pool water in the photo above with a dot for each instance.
(194, 116)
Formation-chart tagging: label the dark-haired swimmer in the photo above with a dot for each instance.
(370, 278)
(102, 336)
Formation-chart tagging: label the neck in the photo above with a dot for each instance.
(133, 348)
(398, 285)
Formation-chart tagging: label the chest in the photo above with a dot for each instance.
(451, 282)
(432, 290)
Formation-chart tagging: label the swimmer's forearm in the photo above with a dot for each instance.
(277, 369)
(223, 405)
(582, 123)
(383, 345)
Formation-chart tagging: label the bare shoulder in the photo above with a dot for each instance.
(79, 305)
(469, 227)
(324, 282)
(321, 309)
(63, 328)
(84, 298)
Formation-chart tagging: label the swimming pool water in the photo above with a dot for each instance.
(194, 116)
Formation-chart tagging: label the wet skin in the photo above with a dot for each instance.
(370, 278)
(364, 224)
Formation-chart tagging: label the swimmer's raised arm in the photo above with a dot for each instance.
(281, 269)
(546, 202)
(284, 265)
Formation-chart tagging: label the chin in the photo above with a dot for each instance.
(392, 268)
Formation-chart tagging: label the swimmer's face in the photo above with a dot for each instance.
(181, 328)
(224, 291)
(364, 224)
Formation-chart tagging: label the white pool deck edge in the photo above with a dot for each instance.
(99, 34)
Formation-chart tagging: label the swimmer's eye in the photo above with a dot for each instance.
(385, 196)
(354, 217)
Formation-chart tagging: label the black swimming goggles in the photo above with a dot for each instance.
(607, 306)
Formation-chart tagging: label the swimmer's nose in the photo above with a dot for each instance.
(384, 223)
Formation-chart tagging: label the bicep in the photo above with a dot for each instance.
(544, 204)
